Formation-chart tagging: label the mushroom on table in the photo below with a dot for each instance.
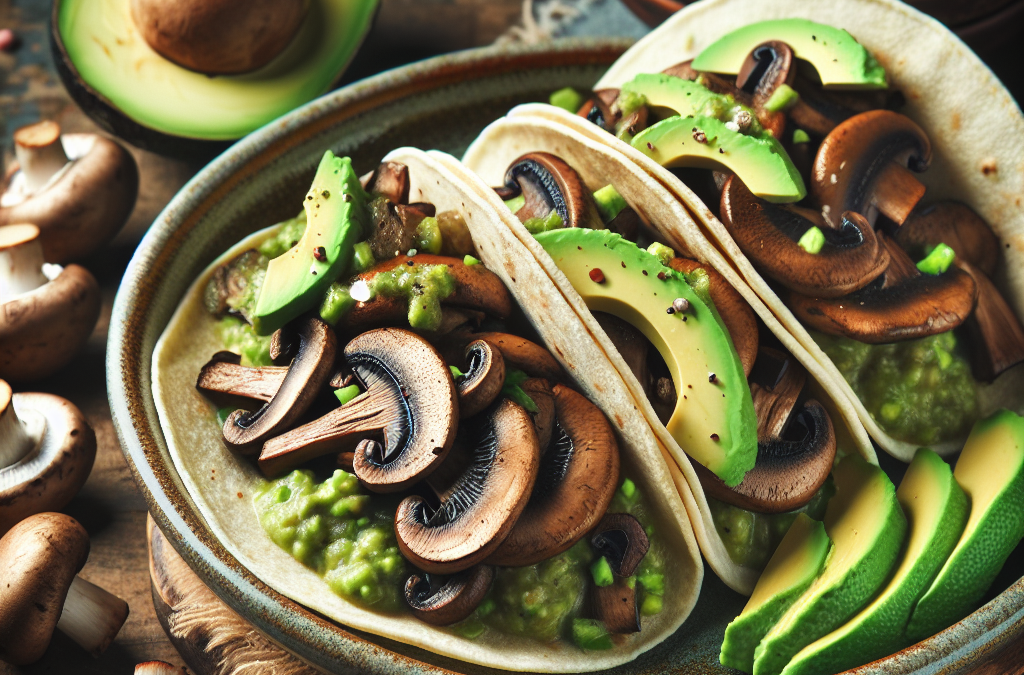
(46, 452)
(46, 312)
(78, 189)
(41, 557)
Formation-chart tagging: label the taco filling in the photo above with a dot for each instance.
(733, 399)
(418, 456)
(788, 131)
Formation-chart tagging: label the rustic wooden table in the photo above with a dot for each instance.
(110, 505)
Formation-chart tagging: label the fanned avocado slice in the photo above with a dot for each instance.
(991, 471)
(840, 60)
(129, 89)
(714, 419)
(297, 281)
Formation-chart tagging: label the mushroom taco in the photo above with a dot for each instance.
(736, 404)
(857, 183)
(466, 496)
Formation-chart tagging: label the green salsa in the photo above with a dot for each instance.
(423, 286)
(239, 337)
(336, 529)
(751, 538)
(919, 391)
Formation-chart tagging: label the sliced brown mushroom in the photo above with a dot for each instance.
(598, 110)
(40, 557)
(768, 234)
(78, 189)
(245, 431)
(482, 381)
(540, 392)
(393, 227)
(218, 37)
(622, 541)
(819, 111)
(230, 290)
(902, 304)
(737, 315)
(996, 333)
(525, 355)
(409, 403)
(955, 225)
(548, 184)
(795, 450)
(391, 180)
(478, 511)
(224, 380)
(476, 289)
(46, 452)
(46, 312)
(862, 166)
(575, 485)
(450, 601)
(616, 607)
(767, 67)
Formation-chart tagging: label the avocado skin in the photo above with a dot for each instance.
(989, 537)
(878, 630)
(291, 287)
(864, 490)
(807, 547)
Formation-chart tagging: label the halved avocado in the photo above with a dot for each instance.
(133, 92)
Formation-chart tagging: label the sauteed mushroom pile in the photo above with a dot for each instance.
(456, 446)
(858, 255)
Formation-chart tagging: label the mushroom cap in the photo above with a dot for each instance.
(767, 67)
(87, 205)
(768, 234)
(522, 354)
(40, 557)
(452, 601)
(621, 539)
(409, 402)
(219, 37)
(549, 183)
(540, 392)
(615, 605)
(476, 288)
(42, 330)
(956, 225)
(915, 307)
(860, 151)
(478, 511)
(996, 333)
(483, 380)
(738, 317)
(48, 478)
(576, 482)
(308, 372)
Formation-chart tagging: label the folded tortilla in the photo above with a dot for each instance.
(975, 127)
(222, 484)
(503, 142)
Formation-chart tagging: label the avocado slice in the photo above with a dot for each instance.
(937, 509)
(129, 89)
(297, 281)
(796, 563)
(991, 471)
(714, 419)
(867, 526)
(760, 160)
(840, 60)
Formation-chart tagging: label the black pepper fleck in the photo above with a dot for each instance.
(712, 378)
(714, 437)
(320, 253)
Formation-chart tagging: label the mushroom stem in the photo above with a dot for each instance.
(15, 442)
(897, 192)
(91, 616)
(226, 377)
(21, 261)
(40, 153)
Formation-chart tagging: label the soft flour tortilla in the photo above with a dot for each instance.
(222, 484)
(507, 139)
(975, 127)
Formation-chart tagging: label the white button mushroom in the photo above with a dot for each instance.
(46, 453)
(79, 189)
(40, 557)
(46, 312)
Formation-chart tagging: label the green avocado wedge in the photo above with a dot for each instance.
(991, 471)
(936, 509)
(297, 281)
(701, 141)
(796, 563)
(867, 526)
(840, 60)
(714, 419)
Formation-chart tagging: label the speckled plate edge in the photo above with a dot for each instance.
(132, 336)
